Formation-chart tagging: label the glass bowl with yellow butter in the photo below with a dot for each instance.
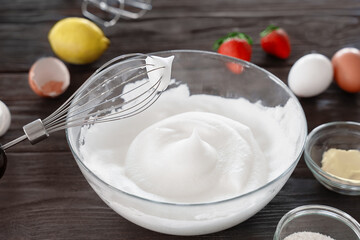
(332, 153)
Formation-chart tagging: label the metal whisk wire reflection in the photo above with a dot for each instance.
(89, 105)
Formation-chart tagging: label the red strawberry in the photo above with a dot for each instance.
(275, 41)
(236, 45)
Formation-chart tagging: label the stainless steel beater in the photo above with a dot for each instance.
(127, 9)
(101, 98)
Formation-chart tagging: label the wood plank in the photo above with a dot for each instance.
(325, 31)
(49, 189)
(44, 195)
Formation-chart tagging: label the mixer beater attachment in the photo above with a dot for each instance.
(128, 9)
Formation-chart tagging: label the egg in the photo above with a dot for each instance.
(310, 75)
(49, 77)
(346, 63)
(5, 118)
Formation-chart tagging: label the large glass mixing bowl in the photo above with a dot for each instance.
(212, 74)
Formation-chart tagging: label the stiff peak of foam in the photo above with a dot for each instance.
(159, 69)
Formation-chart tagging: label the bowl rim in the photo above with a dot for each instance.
(315, 168)
(318, 210)
(245, 63)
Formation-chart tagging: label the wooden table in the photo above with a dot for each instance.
(43, 195)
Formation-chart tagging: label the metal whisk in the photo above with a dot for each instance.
(111, 93)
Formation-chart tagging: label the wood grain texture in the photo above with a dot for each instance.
(44, 195)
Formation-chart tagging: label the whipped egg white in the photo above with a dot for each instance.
(193, 148)
(195, 156)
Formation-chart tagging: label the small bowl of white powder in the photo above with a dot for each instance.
(317, 222)
(332, 153)
(211, 152)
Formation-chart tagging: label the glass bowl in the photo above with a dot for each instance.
(340, 135)
(218, 75)
(319, 219)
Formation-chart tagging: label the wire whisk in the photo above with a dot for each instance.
(121, 88)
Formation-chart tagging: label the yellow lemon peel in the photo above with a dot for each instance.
(77, 40)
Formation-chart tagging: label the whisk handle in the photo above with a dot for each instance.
(35, 131)
(3, 161)
(3, 158)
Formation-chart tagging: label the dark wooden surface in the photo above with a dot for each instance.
(43, 195)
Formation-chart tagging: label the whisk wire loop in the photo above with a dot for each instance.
(62, 109)
(71, 111)
(78, 109)
(75, 119)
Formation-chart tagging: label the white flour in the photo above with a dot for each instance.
(307, 236)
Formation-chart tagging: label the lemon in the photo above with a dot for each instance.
(77, 40)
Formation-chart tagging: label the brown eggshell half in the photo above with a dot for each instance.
(346, 64)
(49, 77)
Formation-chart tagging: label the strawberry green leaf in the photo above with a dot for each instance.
(268, 30)
(232, 35)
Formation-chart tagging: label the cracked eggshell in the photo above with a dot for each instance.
(310, 75)
(5, 118)
(49, 77)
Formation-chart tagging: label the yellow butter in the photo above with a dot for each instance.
(342, 163)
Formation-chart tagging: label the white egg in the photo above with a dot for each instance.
(5, 118)
(310, 75)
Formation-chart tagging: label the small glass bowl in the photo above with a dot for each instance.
(340, 135)
(321, 219)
